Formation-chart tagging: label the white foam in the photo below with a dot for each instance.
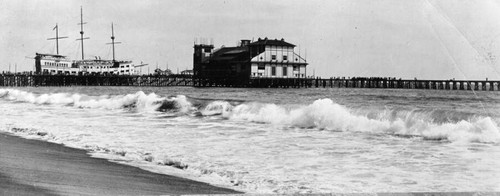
(182, 104)
(140, 100)
(216, 107)
(321, 114)
(273, 155)
(23, 96)
(325, 114)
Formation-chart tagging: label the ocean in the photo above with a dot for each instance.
(314, 140)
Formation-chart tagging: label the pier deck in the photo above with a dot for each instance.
(186, 80)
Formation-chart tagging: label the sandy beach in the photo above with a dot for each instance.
(32, 167)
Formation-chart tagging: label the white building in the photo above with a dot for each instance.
(58, 64)
(264, 58)
(277, 60)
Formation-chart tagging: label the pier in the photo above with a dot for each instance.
(94, 80)
(20, 80)
(477, 85)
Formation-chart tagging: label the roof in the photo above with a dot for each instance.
(53, 55)
(241, 53)
(272, 42)
(230, 54)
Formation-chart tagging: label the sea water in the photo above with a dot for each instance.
(315, 140)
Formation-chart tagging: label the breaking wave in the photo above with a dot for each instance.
(322, 114)
(139, 100)
(326, 115)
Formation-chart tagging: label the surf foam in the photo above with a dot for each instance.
(327, 115)
(321, 114)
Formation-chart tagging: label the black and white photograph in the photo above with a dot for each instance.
(255, 97)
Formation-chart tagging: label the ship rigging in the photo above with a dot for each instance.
(59, 64)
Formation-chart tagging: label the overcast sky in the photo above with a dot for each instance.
(395, 38)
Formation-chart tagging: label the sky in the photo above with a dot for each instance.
(424, 39)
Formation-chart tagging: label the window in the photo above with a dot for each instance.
(273, 71)
(295, 68)
(285, 57)
(273, 57)
(261, 66)
(285, 71)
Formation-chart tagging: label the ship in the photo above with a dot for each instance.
(56, 64)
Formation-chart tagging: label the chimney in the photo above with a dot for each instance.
(244, 42)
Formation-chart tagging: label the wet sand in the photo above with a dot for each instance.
(32, 167)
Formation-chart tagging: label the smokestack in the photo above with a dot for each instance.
(244, 42)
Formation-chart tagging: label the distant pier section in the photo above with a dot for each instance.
(27, 79)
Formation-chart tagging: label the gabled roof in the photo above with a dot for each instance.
(271, 42)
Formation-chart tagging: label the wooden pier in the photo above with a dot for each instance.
(19, 80)
(94, 80)
(477, 85)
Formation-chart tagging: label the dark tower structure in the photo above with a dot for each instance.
(202, 53)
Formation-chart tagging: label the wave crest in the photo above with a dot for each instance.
(327, 115)
(139, 100)
(322, 114)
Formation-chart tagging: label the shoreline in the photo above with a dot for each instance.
(35, 167)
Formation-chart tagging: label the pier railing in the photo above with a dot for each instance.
(187, 80)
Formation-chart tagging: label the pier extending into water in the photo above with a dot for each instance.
(20, 80)
(94, 80)
(482, 85)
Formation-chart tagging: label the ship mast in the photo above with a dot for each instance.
(113, 42)
(81, 29)
(57, 38)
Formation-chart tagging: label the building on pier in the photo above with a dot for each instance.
(54, 64)
(58, 64)
(264, 58)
